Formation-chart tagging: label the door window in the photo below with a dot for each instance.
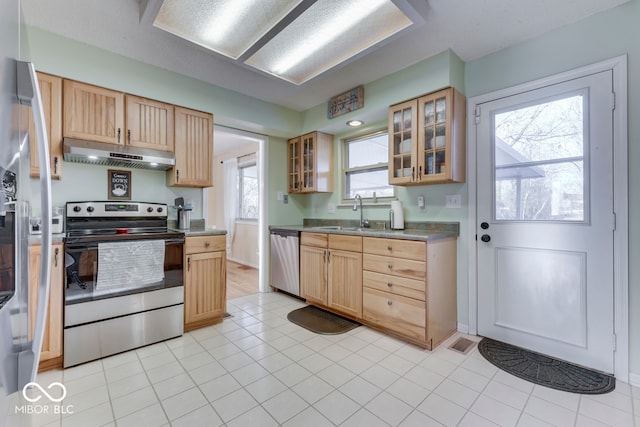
(539, 160)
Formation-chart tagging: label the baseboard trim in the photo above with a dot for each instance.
(242, 262)
(462, 328)
(634, 379)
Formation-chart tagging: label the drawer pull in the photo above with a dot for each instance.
(389, 248)
(389, 284)
(390, 266)
(207, 244)
(389, 302)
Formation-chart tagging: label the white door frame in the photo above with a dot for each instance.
(620, 201)
(263, 209)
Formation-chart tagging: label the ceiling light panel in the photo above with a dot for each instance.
(228, 27)
(327, 34)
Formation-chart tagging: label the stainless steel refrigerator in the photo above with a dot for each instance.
(19, 93)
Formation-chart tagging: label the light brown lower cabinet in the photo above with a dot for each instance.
(402, 287)
(331, 272)
(205, 281)
(51, 354)
(410, 288)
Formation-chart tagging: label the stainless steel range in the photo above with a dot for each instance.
(124, 279)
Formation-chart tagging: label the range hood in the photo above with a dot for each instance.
(100, 153)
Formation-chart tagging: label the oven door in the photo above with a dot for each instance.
(98, 270)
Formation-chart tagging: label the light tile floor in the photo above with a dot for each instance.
(258, 369)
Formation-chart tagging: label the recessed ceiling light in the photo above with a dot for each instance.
(355, 123)
(295, 40)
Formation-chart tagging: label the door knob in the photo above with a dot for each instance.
(485, 238)
(484, 225)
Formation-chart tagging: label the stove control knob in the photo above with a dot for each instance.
(160, 210)
(76, 209)
(89, 208)
(149, 209)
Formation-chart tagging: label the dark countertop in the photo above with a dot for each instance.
(413, 231)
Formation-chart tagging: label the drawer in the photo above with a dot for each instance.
(395, 266)
(318, 240)
(194, 245)
(402, 286)
(345, 243)
(407, 249)
(405, 316)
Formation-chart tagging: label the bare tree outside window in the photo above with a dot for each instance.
(539, 161)
(249, 192)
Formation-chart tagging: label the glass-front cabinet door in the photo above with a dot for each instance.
(293, 157)
(402, 142)
(308, 162)
(434, 147)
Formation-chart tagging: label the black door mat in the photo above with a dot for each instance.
(320, 321)
(545, 370)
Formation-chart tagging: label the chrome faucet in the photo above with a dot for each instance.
(356, 200)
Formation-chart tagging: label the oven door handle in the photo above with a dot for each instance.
(94, 245)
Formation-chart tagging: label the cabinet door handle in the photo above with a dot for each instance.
(128, 136)
(329, 257)
(57, 255)
(118, 135)
(413, 173)
(389, 302)
(420, 173)
(189, 264)
(324, 256)
(177, 175)
(55, 165)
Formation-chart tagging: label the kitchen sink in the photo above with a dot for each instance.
(337, 228)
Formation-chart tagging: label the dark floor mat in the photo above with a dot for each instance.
(545, 370)
(320, 321)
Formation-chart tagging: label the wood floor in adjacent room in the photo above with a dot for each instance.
(241, 280)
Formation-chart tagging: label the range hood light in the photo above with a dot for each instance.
(100, 153)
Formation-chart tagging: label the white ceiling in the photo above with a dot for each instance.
(471, 28)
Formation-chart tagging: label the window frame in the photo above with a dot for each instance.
(240, 168)
(346, 171)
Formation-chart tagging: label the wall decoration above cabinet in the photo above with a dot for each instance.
(310, 163)
(427, 139)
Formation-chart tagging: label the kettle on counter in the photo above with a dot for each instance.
(396, 216)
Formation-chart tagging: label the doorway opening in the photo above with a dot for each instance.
(235, 204)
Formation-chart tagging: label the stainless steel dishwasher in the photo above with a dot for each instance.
(285, 260)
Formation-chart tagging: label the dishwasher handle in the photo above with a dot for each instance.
(285, 233)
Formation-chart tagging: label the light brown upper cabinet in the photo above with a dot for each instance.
(310, 163)
(98, 114)
(427, 139)
(193, 149)
(93, 113)
(149, 123)
(51, 93)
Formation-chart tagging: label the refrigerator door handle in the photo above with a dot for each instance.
(29, 94)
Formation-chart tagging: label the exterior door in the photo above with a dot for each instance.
(545, 220)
